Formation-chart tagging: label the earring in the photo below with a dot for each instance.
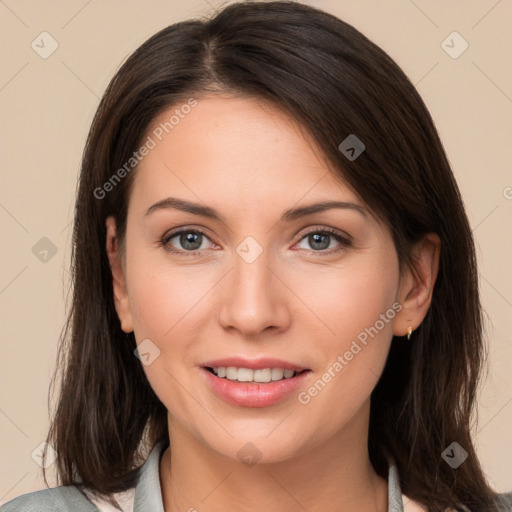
(409, 332)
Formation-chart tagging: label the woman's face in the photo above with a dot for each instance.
(253, 283)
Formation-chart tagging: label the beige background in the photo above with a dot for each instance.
(47, 106)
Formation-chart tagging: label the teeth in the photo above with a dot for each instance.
(264, 375)
(245, 375)
(277, 373)
(248, 375)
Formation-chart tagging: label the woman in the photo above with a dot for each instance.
(275, 284)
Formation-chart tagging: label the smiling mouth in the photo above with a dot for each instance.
(248, 376)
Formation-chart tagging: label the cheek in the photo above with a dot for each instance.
(165, 304)
(357, 305)
(351, 299)
(171, 306)
(167, 309)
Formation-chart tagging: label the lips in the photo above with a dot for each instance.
(254, 394)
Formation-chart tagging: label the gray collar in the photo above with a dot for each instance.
(148, 495)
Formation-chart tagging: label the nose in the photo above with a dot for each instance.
(254, 298)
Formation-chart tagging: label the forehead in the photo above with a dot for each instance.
(234, 149)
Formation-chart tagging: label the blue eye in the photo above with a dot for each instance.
(319, 239)
(191, 241)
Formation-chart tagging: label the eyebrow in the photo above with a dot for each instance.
(288, 215)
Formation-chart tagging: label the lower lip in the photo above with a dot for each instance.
(249, 394)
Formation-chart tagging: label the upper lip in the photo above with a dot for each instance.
(254, 364)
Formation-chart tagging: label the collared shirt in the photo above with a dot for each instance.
(146, 496)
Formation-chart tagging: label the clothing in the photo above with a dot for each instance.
(147, 495)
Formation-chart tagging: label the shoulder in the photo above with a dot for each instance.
(57, 499)
(72, 499)
(506, 501)
(125, 499)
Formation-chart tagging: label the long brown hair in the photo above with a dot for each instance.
(335, 82)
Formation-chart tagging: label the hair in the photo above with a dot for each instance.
(335, 82)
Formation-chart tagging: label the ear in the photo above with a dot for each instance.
(121, 300)
(417, 285)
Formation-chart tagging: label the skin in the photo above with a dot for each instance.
(296, 301)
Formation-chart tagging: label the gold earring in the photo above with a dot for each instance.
(409, 332)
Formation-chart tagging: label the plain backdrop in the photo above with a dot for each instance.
(47, 105)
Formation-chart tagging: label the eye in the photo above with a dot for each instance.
(191, 241)
(319, 239)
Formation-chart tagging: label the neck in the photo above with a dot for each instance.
(335, 475)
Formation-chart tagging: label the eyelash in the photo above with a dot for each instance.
(345, 242)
